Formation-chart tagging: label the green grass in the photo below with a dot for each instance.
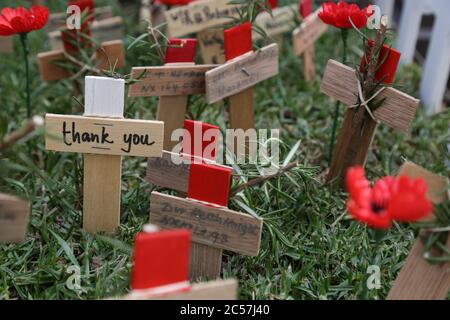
(310, 249)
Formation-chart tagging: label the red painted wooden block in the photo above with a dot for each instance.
(386, 72)
(306, 8)
(181, 50)
(161, 258)
(238, 40)
(174, 2)
(273, 4)
(200, 139)
(210, 183)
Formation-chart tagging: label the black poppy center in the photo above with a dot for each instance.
(376, 208)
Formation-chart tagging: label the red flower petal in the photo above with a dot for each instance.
(5, 27)
(410, 203)
(40, 17)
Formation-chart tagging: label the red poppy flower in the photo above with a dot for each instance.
(21, 20)
(401, 199)
(339, 15)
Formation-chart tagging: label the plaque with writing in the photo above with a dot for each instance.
(213, 226)
(14, 213)
(211, 45)
(282, 20)
(241, 73)
(124, 137)
(175, 80)
(172, 170)
(308, 32)
(199, 15)
(6, 44)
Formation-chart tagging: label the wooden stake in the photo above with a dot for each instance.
(14, 215)
(304, 38)
(418, 279)
(6, 44)
(421, 280)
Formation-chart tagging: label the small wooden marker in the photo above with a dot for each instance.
(199, 15)
(281, 20)
(6, 44)
(173, 83)
(358, 129)
(235, 79)
(205, 211)
(161, 269)
(419, 279)
(306, 35)
(211, 45)
(104, 137)
(14, 215)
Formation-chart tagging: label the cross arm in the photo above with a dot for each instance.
(170, 80)
(398, 110)
(308, 32)
(241, 73)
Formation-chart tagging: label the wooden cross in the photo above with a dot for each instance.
(279, 21)
(6, 44)
(244, 69)
(397, 110)
(104, 137)
(173, 83)
(161, 269)
(204, 211)
(205, 18)
(14, 215)
(306, 35)
(419, 279)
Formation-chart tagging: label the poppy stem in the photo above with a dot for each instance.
(26, 51)
(344, 37)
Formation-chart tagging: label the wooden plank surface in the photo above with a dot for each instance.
(397, 111)
(437, 185)
(420, 280)
(58, 20)
(169, 80)
(214, 226)
(101, 192)
(48, 67)
(198, 16)
(107, 136)
(171, 171)
(6, 44)
(241, 73)
(212, 290)
(111, 55)
(281, 20)
(206, 262)
(172, 111)
(308, 32)
(211, 45)
(309, 68)
(352, 144)
(242, 109)
(14, 216)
